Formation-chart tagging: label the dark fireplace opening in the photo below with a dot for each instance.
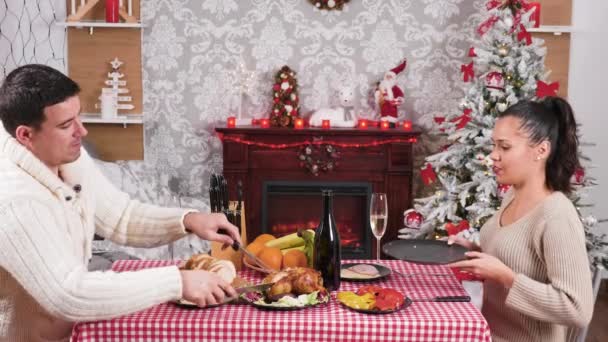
(288, 206)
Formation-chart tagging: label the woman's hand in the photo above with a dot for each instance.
(488, 267)
(206, 226)
(459, 240)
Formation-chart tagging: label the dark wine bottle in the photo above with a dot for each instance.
(327, 245)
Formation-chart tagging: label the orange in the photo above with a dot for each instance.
(255, 248)
(272, 257)
(295, 258)
(264, 238)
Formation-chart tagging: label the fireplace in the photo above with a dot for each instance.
(268, 163)
(288, 206)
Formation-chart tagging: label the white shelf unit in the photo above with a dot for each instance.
(132, 119)
(556, 30)
(96, 23)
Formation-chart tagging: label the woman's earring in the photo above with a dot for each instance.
(537, 158)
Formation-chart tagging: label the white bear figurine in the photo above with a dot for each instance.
(337, 116)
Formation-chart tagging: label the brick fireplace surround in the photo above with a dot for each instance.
(379, 157)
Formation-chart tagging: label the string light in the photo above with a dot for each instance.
(318, 142)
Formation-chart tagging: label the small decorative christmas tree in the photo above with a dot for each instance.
(118, 86)
(508, 67)
(286, 106)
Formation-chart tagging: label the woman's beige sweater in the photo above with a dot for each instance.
(552, 291)
(46, 230)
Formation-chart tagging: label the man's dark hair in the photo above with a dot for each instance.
(29, 89)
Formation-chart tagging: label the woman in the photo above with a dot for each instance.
(532, 257)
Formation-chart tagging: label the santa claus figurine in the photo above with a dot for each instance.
(388, 95)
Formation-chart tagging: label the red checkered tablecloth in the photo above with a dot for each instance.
(422, 321)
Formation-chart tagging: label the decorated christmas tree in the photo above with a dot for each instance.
(507, 67)
(285, 98)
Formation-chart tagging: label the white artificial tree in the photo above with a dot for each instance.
(508, 66)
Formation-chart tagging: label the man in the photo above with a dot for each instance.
(388, 95)
(53, 200)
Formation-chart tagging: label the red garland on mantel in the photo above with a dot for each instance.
(318, 142)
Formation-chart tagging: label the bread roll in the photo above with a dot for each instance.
(224, 268)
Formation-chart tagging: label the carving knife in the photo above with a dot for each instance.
(213, 198)
(237, 212)
(443, 299)
(237, 246)
(225, 201)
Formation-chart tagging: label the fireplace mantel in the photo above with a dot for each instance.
(382, 157)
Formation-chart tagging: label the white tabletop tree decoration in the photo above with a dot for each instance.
(245, 79)
(112, 97)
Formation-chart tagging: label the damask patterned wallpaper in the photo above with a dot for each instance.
(192, 81)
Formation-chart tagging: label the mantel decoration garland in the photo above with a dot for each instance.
(329, 4)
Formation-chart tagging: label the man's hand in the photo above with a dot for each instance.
(206, 226)
(205, 288)
(486, 266)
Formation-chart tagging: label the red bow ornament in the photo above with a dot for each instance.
(524, 34)
(454, 229)
(464, 119)
(428, 174)
(543, 89)
(467, 71)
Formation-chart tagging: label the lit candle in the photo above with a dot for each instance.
(299, 123)
(73, 7)
(325, 124)
(362, 124)
(384, 125)
(231, 123)
(265, 123)
(407, 125)
(130, 7)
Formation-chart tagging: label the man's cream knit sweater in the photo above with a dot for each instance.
(46, 231)
(552, 288)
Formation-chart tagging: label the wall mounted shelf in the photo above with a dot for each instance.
(99, 24)
(556, 30)
(133, 119)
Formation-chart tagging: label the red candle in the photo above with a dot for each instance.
(299, 123)
(535, 17)
(384, 125)
(231, 122)
(362, 124)
(325, 124)
(112, 11)
(265, 123)
(407, 125)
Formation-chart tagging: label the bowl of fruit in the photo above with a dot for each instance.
(293, 250)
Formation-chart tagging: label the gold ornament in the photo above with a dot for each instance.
(503, 50)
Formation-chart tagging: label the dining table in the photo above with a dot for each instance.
(421, 321)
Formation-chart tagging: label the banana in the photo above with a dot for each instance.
(299, 248)
(287, 241)
(308, 236)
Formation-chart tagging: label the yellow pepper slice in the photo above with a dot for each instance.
(351, 299)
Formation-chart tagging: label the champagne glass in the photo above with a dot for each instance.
(378, 212)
